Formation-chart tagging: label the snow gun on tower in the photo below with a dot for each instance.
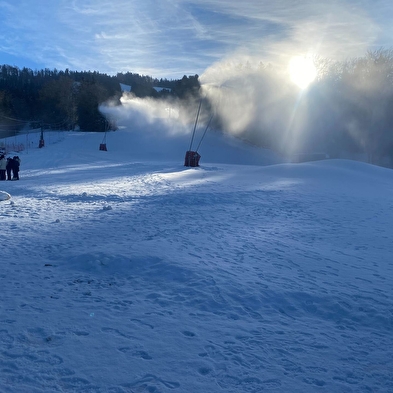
(192, 156)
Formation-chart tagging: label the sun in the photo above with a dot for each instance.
(302, 71)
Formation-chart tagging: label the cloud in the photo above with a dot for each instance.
(334, 29)
(171, 38)
(169, 117)
(250, 101)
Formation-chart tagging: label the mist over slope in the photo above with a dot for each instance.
(165, 130)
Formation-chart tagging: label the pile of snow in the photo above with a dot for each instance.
(124, 271)
(4, 196)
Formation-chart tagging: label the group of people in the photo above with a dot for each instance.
(10, 166)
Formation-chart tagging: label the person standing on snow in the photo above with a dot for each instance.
(10, 162)
(3, 166)
(15, 168)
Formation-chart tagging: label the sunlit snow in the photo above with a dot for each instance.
(124, 271)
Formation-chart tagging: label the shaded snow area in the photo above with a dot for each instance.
(124, 273)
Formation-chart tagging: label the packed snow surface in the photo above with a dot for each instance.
(124, 271)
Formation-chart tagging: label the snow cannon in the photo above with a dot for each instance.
(192, 158)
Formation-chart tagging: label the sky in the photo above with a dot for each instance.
(124, 271)
(172, 38)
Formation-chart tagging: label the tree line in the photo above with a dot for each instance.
(55, 99)
(346, 111)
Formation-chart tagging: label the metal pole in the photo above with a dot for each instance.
(196, 121)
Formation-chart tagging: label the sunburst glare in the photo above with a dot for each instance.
(302, 71)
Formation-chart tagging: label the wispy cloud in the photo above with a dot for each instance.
(175, 37)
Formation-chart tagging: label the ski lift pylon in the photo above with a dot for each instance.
(103, 143)
(41, 143)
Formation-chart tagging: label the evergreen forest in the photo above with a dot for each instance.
(53, 99)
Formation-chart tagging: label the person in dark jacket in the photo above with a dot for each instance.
(9, 167)
(15, 168)
(3, 164)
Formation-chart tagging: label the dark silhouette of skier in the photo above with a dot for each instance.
(15, 168)
(9, 167)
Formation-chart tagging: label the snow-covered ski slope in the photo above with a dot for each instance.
(124, 271)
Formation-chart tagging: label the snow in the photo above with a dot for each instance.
(124, 87)
(4, 196)
(158, 89)
(124, 271)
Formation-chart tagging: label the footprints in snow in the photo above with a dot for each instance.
(135, 353)
(188, 333)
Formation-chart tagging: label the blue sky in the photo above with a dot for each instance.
(172, 38)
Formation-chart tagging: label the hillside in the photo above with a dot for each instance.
(124, 271)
